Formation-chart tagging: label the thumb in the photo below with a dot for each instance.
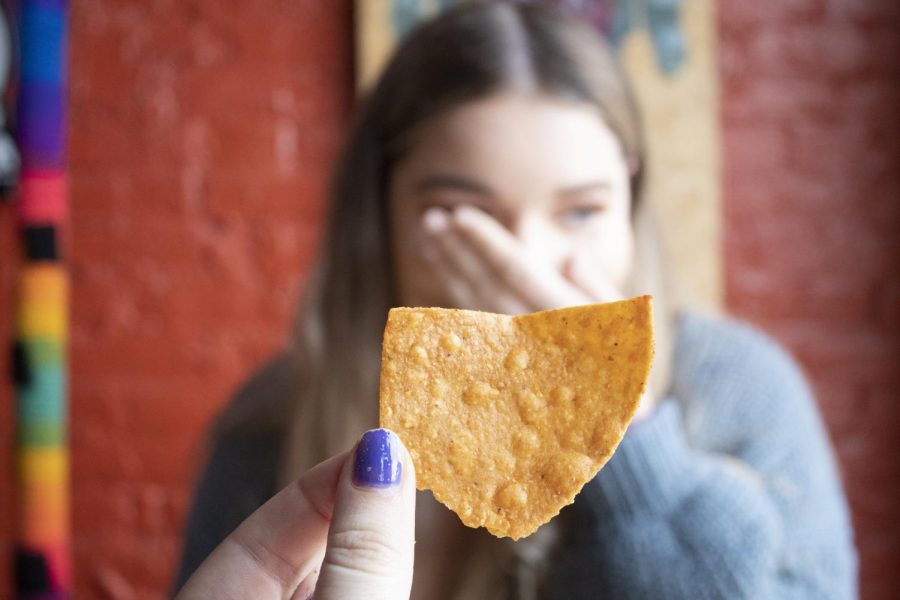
(372, 533)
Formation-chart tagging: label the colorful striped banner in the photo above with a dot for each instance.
(43, 562)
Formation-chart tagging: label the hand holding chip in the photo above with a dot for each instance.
(344, 529)
(484, 267)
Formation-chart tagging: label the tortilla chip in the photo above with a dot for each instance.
(506, 418)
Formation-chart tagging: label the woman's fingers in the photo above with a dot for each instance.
(469, 281)
(371, 540)
(458, 272)
(467, 262)
(456, 285)
(540, 286)
(493, 243)
(276, 551)
(483, 266)
(352, 516)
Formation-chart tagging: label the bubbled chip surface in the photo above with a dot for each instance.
(506, 418)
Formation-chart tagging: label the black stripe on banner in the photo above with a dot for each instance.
(31, 573)
(40, 243)
(21, 370)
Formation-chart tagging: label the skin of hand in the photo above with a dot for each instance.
(484, 267)
(344, 529)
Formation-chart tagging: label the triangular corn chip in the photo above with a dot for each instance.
(506, 418)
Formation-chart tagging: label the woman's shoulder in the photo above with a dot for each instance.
(264, 402)
(706, 341)
(727, 366)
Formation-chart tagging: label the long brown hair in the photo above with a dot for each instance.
(467, 53)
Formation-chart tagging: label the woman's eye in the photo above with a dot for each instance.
(579, 214)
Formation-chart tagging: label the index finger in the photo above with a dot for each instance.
(492, 241)
(541, 289)
(278, 549)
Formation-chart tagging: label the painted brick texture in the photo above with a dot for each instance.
(811, 139)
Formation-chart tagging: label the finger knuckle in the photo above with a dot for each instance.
(363, 550)
(270, 562)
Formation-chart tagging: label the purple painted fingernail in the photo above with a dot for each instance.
(377, 462)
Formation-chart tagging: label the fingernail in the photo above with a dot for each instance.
(377, 462)
(436, 220)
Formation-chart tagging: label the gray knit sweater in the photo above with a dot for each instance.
(729, 490)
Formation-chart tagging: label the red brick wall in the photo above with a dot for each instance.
(811, 132)
(201, 137)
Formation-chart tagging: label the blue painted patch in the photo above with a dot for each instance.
(42, 34)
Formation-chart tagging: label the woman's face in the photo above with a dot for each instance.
(511, 204)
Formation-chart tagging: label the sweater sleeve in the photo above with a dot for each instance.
(238, 478)
(761, 516)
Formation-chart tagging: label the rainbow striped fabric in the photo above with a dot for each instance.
(43, 564)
